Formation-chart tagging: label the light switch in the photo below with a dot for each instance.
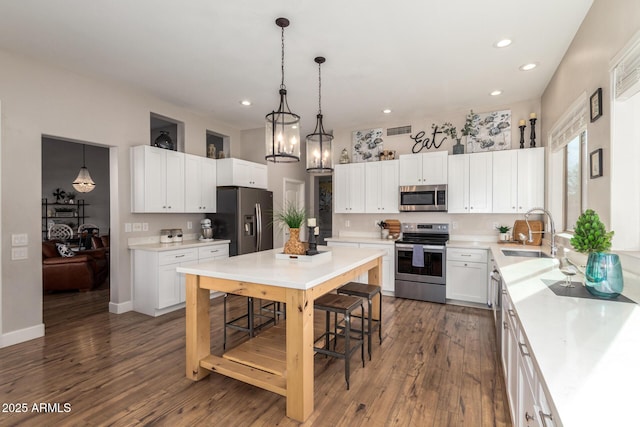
(137, 226)
(145, 226)
(19, 253)
(19, 239)
(127, 227)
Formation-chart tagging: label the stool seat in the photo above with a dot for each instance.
(365, 290)
(344, 305)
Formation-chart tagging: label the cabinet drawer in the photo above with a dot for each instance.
(213, 251)
(171, 257)
(470, 255)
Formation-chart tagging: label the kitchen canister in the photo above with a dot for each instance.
(177, 235)
(166, 236)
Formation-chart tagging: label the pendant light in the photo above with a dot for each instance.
(282, 133)
(319, 158)
(83, 182)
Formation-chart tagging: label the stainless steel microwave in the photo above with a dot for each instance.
(421, 198)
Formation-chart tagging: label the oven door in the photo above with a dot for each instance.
(433, 258)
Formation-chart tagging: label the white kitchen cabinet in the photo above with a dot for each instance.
(381, 186)
(424, 168)
(200, 184)
(518, 180)
(467, 278)
(388, 264)
(242, 173)
(470, 183)
(157, 180)
(348, 187)
(157, 287)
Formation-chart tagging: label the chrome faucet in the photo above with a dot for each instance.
(554, 248)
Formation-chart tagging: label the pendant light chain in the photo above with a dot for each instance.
(319, 88)
(282, 86)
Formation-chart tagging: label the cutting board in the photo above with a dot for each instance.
(520, 226)
(393, 225)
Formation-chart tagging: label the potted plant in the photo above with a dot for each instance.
(603, 275)
(504, 232)
(293, 217)
(470, 127)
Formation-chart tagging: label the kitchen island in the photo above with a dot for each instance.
(294, 282)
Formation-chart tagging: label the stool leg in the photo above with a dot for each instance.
(347, 347)
(380, 318)
(362, 337)
(327, 321)
(224, 334)
(370, 314)
(250, 316)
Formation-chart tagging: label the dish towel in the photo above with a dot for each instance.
(418, 256)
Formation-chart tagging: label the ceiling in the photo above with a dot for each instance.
(415, 57)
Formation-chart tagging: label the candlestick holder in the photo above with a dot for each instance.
(522, 135)
(313, 245)
(532, 143)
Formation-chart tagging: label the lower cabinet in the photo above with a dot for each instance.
(388, 264)
(157, 287)
(527, 398)
(467, 275)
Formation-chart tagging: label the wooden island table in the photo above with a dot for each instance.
(280, 359)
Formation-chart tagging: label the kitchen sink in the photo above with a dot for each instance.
(528, 254)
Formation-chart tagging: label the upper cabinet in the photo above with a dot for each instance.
(423, 169)
(469, 183)
(381, 186)
(157, 179)
(518, 180)
(348, 188)
(200, 184)
(242, 173)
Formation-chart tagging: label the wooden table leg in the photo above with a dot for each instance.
(299, 354)
(198, 333)
(375, 278)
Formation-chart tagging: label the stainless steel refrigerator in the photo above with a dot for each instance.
(244, 216)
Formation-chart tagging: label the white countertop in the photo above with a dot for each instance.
(160, 247)
(357, 239)
(587, 350)
(264, 268)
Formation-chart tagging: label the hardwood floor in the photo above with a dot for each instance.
(437, 366)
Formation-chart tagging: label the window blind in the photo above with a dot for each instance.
(627, 73)
(571, 123)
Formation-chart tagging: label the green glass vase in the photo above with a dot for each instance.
(603, 276)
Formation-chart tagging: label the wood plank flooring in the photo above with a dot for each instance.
(437, 366)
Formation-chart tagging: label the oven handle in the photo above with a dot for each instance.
(407, 246)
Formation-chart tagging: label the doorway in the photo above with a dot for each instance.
(323, 205)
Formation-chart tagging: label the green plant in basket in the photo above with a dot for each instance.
(292, 215)
(590, 234)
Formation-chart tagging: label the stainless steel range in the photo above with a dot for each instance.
(421, 262)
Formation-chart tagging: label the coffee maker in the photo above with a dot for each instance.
(207, 232)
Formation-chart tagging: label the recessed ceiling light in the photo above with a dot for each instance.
(386, 111)
(502, 43)
(527, 67)
(495, 93)
(245, 102)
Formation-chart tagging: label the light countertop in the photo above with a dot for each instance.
(187, 244)
(264, 268)
(587, 350)
(358, 239)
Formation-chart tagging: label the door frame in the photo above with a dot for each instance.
(290, 184)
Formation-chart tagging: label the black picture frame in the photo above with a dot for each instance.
(595, 105)
(595, 163)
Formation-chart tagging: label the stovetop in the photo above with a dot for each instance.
(424, 233)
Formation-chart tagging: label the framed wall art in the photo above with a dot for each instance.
(367, 145)
(595, 163)
(492, 132)
(595, 105)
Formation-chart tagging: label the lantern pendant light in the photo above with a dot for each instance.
(83, 182)
(319, 156)
(282, 133)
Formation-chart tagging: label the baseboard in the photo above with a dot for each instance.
(22, 335)
(119, 308)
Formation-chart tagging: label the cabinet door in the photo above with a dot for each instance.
(530, 179)
(505, 181)
(169, 289)
(388, 188)
(480, 182)
(154, 186)
(467, 281)
(388, 273)
(258, 175)
(349, 188)
(341, 188)
(193, 183)
(373, 190)
(174, 181)
(434, 168)
(208, 185)
(410, 169)
(458, 184)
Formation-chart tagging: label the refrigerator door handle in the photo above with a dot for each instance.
(258, 227)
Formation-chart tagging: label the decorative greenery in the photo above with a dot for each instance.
(590, 235)
(71, 195)
(503, 228)
(382, 224)
(471, 124)
(450, 130)
(292, 215)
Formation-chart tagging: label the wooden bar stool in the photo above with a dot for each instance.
(367, 291)
(247, 322)
(344, 305)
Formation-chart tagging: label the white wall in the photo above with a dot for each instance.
(39, 99)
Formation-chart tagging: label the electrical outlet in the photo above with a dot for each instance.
(19, 239)
(145, 226)
(137, 226)
(347, 223)
(189, 225)
(127, 227)
(454, 225)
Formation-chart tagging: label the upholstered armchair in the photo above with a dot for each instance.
(82, 271)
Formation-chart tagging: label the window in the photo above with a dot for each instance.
(573, 154)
